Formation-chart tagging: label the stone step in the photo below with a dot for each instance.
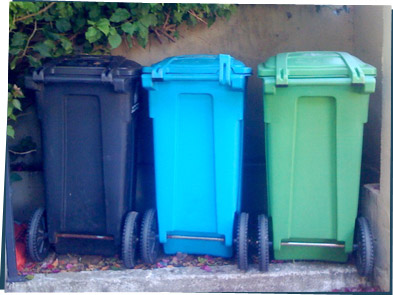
(283, 277)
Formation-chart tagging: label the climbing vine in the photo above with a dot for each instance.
(50, 29)
(40, 30)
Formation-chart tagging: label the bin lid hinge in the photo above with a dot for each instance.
(225, 69)
(356, 72)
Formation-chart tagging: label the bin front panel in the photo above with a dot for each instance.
(197, 146)
(88, 149)
(314, 146)
(83, 148)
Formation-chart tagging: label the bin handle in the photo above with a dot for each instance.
(39, 74)
(157, 72)
(107, 74)
(356, 71)
(225, 69)
(281, 69)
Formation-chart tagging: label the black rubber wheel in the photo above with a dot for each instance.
(263, 243)
(149, 237)
(365, 251)
(37, 236)
(130, 239)
(242, 241)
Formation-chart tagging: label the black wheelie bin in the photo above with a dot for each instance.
(87, 107)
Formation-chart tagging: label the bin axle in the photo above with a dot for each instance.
(79, 236)
(195, 238)
(305, 244)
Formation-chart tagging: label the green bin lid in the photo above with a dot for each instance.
(315, 64)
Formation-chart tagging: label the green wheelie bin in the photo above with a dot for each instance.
(315, 106)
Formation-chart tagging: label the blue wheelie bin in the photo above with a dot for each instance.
(196, 103)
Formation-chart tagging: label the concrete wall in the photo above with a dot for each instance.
(372, 42)
(367, 41)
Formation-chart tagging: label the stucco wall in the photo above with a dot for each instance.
(367, 43)
(372, 43)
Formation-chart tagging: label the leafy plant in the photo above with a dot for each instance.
(14, 93)
(51, 29)
(40, 30)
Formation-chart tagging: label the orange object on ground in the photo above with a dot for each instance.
(20, 245)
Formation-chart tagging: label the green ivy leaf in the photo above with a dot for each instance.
(52, 35)
(17, 104)
(144, 8)
(148, 20)
(128, 28)
(78, 5)
(13, 63)
(120, 15)
(10, 131)
(103, 25)
(15, 51)
(63, 25)
(34, 62)
(79, 23)
(178, 16)
(50, 44)
(18, 39)
(29, 7)
(114, 40)
(95, 10)
(193, 20)
(66, 44)
(112, 31)
(9, 110)
(143, 35)
(129, 41)
(42, 49)
(92, 34)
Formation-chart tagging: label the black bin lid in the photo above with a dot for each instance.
(82, 68)
(114, 70)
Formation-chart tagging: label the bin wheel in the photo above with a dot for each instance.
(37, 236)
(365, 251)
(149, 240)
(130, 239)
(263, 242)
(242, 241)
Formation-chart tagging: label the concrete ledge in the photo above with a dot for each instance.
(376, 208)
(285, 277)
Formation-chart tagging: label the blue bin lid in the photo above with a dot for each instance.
(197, 64)
(222, 67)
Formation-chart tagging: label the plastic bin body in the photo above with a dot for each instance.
(314, 111)
(87, 106)
(198, 140)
